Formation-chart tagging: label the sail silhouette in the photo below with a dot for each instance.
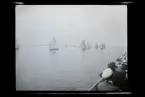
(102, 46)
(83, 45)
(52, 45)
(96, 46)
(88, 46)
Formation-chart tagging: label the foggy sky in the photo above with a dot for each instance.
(70, 24)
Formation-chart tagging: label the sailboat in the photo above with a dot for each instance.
(52, 44)
(96, 46)
(83, 45)
(102, 46)
(88, 46)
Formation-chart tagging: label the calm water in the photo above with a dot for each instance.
(66, 69)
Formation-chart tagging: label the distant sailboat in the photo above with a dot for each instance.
(96, 46)
(102, 46)
(52, 45)
(88, 46)
(83, 45)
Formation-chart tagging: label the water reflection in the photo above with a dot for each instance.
(52, 52)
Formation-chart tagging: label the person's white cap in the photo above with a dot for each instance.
(107, 73)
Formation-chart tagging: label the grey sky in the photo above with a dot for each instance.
(71, 23)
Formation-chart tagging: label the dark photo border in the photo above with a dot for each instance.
(132, 8)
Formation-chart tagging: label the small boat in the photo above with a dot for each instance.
(102, 46)
(54, 49)
(88, 46)
(96, 46)
(52, 45)
(83, 45)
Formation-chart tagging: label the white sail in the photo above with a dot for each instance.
(52, 45)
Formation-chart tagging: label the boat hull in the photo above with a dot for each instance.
(54, 49)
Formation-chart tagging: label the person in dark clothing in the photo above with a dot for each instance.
(119, 78)
(106, 84)
(124, 66)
